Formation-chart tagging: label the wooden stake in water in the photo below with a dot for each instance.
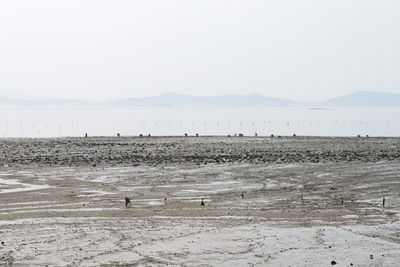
(383, 202)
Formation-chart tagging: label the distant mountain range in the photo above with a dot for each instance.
(32, 102)
(365, 99)
(356, 99)
(173, 99)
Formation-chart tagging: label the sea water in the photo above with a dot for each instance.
(108, 121)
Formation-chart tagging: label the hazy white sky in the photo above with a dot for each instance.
(302, 50)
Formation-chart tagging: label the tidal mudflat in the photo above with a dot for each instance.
(304, 201)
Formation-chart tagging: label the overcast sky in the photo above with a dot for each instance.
(302, 50)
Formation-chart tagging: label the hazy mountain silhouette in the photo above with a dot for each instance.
(174, 99)
(360, 98)
(364, 98)
(36, 102)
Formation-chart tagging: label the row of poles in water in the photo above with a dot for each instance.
(205, 124)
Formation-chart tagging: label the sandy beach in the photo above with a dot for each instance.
(292, 201)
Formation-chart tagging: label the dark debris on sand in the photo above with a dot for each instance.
(164, 150)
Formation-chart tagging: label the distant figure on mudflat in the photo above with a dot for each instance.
(85, 135)
(127, 201)
(202, 202)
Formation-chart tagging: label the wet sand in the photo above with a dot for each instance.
(304, 201)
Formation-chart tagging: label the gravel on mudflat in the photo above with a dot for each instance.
(200, 150)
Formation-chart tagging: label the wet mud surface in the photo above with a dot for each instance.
(303, 201)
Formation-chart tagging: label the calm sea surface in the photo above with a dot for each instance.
(57, 122)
